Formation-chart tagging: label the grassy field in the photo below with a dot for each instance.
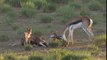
(46, 16)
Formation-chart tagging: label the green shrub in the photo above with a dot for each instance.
(85, 12)
(28, 4)
(85, 1)
(14, 3)
(50, 7)
(13, 14)
(28, 47)
(64, 21)
(10, 17)
(53, 44)
(66, 13)
(58, 1)
(100, 40)
(95, 53)
(57, 43)
(101, 1)
(27, 12)
(46, 19)
(4, 38)
(15, 27)
(75, 5)
(92, 48)
(38, 33)
(55, 56)
(95, 6)
(40, 3)
(9, 57)
(4, 8)
(20, 32)
(28, 9)
(9, 20)
(74, 57)
(35, 58)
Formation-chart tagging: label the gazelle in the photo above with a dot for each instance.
(27, 36)
(79, 22)
(40, 41)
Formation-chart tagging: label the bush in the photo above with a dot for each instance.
(50, 7)
(15, 27)
(4, 8)
(64, 21)
(40, 3)
(85, 12)
(85, 1)
(58, 1)
(53, 44)
(20, 32)
(13, 14)
(92, 48)
(75, 5)
(28, 9)
(101, 1)
(100, 40)
(35, 58)
(14, 3)
(66, 13)
(95, 6)
(9, 20)
(46, 19)
(57, 43)
(28, 4)
(95, 53)
(28, 47)
(38, 33)
(74, 57)
(9, 57)
(27, 12)
(4, 38)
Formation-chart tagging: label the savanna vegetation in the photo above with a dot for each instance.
(44, 17)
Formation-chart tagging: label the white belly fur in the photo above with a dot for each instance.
(75, 26)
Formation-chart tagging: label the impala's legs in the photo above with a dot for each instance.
(69, 36)
(71, 32)
(90, 31)
(64, 37)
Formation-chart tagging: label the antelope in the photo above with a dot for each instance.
(40, 41)
(27, 36)
(79, 22)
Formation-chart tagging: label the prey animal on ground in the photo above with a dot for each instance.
(40, 41)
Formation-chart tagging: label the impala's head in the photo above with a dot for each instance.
(54, 35)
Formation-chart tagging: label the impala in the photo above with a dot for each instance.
(79, 22)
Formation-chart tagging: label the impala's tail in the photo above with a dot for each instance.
(91, 22)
